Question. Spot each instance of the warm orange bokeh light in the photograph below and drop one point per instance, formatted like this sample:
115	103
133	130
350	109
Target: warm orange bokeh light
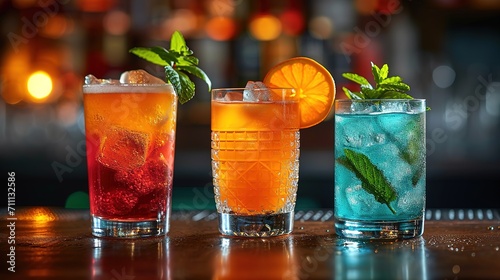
39	85
221	28
182	20
37	214
265	27
58	26
366	7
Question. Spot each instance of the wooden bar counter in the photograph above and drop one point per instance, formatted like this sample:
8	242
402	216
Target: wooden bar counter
52	243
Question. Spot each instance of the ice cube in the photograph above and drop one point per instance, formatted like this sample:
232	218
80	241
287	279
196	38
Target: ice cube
358	133
411	201
358	199
233	96
396	106
124	149
139	77
256	91
92	80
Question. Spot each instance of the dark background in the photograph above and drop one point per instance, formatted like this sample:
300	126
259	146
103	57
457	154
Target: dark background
447	50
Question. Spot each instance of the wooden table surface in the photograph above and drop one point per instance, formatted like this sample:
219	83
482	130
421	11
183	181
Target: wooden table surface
57	244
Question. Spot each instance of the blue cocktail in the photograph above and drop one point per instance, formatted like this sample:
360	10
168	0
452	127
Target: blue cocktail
379	168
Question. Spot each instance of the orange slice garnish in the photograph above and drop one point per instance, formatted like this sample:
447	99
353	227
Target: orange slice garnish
313	83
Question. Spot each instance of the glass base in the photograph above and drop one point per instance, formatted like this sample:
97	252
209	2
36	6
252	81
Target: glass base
256	225
128	229
382	230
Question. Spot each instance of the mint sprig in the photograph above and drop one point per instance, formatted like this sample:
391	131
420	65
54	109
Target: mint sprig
372	179
385	87
178	62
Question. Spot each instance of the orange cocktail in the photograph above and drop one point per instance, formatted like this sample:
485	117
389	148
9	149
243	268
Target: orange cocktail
255	160
130	133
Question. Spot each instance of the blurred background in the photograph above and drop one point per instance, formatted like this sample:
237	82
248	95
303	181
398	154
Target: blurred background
447	50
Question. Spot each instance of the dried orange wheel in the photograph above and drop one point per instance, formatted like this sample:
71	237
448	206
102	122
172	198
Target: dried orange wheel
312	81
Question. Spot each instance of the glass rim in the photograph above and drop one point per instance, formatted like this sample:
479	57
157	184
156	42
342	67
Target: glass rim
242	89
127	88
127	85
346	100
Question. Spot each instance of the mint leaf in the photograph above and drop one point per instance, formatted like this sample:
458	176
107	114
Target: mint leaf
397	86
178	61
379	74
196	71
173	78
353	95
393	79
165	55
370	93
372	179
385	87
357	79
384	71
149	55
178	44
376	73
187	91
394	95
187	61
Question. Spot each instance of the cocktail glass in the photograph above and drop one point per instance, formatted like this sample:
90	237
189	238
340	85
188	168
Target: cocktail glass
255	160
130	134
379	168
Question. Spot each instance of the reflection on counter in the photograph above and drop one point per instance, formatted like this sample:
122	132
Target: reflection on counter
110	262
372	260
268	258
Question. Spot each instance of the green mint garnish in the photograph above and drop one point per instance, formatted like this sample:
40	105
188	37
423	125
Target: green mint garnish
178	62
372	179
385	87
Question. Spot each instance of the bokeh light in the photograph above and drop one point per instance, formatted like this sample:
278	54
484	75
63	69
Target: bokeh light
39	85
57	26
23	4
221	7
443	76
265	27
221	28
366	7
116	22
95	5
321	27
388	6
292	21
77	199
182	20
